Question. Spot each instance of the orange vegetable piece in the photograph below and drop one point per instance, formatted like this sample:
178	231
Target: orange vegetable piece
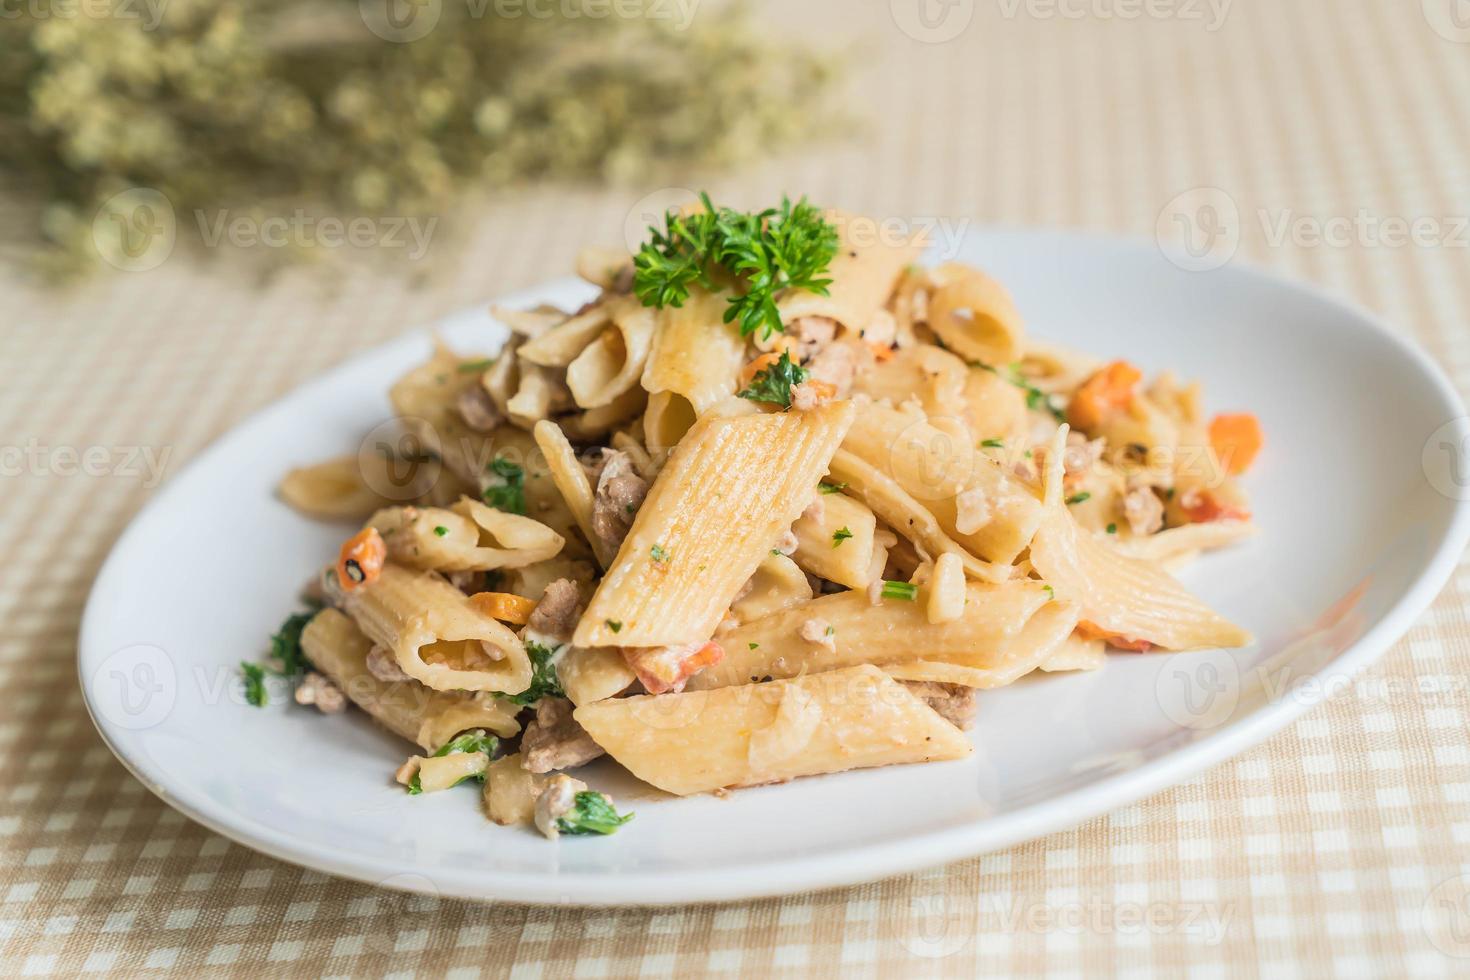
663	669
883	352
361	559
1202	507
748	373
1236	439
504	606
1105	392
1092	631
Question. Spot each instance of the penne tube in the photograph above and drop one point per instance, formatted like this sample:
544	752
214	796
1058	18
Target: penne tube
714	513
592	673
696	355
341	489
669	417
408	709
567	474
784	645
778	583
436	635
701	741
1002	663
896	508
990	513
466	537
1076	652
869	261
610	366
834	540
560	345
974	316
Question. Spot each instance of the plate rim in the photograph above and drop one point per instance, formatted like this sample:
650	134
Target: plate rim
872	862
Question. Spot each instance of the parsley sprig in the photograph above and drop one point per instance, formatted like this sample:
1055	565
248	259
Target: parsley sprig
773	384
762	252
592	814
544	681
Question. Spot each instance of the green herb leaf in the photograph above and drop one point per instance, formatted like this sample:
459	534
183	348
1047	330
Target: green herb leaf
825	487
764	253
1112	529
254	684
1050	592
993	444
508	493
773	384
440	530
906	591
755	646
659	554
1078	498
475	367
593	813
544	681
616	625
840	535
286	644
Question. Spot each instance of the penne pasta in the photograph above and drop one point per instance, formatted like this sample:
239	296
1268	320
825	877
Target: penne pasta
835	540
466	537
778	583
701	741
337	648
436	635
894	630
712	516
695	354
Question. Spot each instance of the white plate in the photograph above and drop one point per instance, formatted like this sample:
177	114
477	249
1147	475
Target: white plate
1357	495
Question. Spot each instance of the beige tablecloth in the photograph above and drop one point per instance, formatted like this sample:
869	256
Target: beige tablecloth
1315	853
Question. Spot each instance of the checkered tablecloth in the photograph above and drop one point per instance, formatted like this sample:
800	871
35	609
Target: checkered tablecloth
1338	846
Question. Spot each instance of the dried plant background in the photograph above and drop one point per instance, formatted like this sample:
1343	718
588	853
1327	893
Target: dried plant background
269	106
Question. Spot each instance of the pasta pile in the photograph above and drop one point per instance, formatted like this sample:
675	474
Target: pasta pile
724	554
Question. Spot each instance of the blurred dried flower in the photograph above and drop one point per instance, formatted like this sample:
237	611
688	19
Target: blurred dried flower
263	105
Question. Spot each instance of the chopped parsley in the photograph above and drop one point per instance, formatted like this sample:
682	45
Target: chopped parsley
1036	399
286	657
906	591
616	625
768	251
469	367
773	384
440	530
544	682
840	535
825	487
1078	498
755	646
286	644
254	684
509	494
993	444
659	553
592	814
1050	592
474	740
1112	529
830	631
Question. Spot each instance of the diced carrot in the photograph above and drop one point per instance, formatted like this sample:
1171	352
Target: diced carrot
883	352
1102	394
1202	507
1092	631
361	559
748	373
504	606
1236	439
664	669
